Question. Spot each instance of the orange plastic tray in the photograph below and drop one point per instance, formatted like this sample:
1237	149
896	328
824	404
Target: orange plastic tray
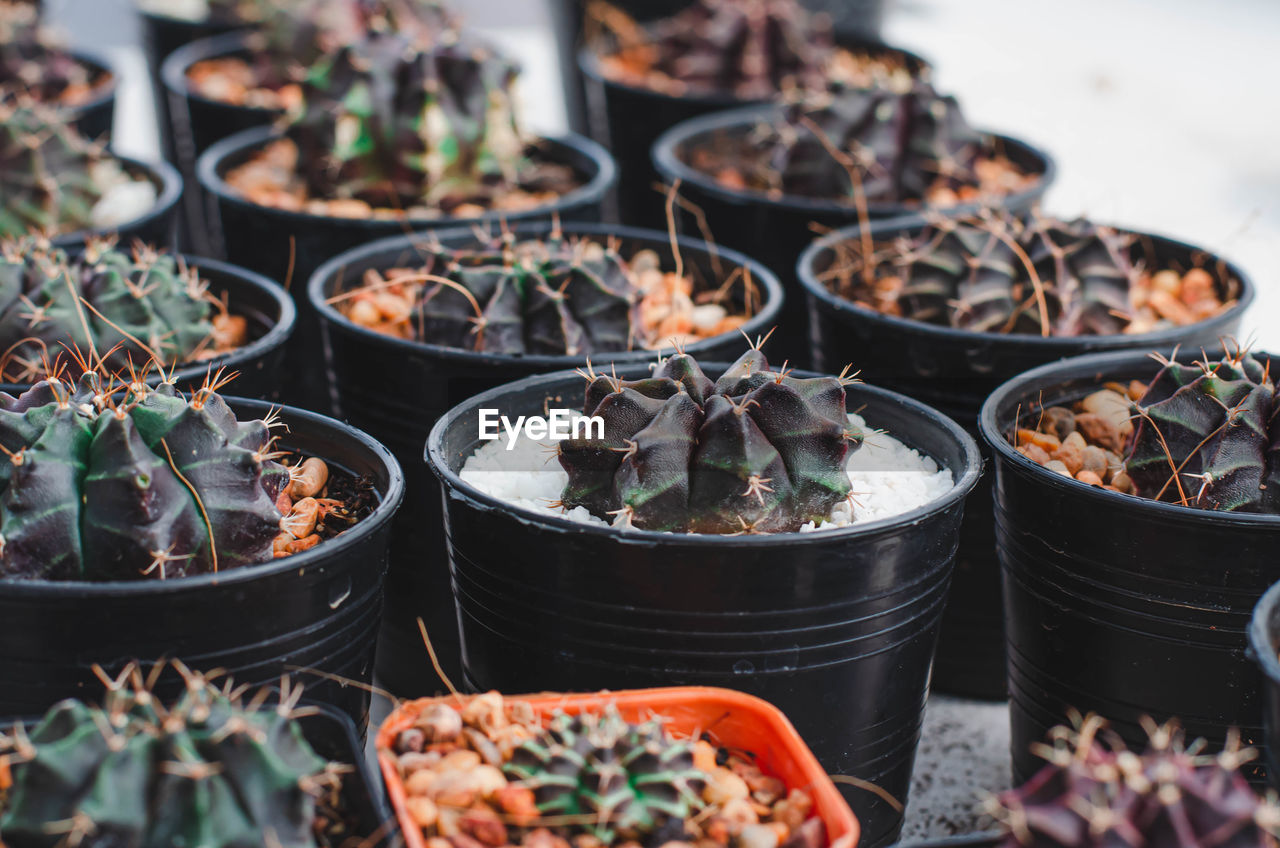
731	719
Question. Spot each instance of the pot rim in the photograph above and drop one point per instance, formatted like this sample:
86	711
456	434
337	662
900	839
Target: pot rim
588	59
157	172
1051	375
1261	645
209	166
319	285
350	539
671	167
277	334
879	229
963	479
173	70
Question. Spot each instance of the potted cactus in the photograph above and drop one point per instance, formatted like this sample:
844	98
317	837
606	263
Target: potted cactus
747	531
128	309
648	766
456	313
643	79
767	176
211	763
949	309
139	521
55	181
396	130
33	63
1148	565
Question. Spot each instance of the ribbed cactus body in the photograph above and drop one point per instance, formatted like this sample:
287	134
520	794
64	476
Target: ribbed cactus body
621	780
46	172
757	451
132	483
123	308
205	771
1209	434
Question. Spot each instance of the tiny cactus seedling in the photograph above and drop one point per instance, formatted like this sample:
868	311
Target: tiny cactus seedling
1208	435
123	482
1096	793
50	177
124	309
756	451
209	770
613	779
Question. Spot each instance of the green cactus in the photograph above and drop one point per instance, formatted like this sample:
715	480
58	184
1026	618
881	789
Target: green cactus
622	780
1208	435
123	309
756	451
207	770
130	482
50	177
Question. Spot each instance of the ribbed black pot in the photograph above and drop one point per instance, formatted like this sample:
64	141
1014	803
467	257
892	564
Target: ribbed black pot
271	316
159	226
161	35
955	371
290	246
836	628
1117	604
1264	645
197	122
397	389
629	119
777	230
315	610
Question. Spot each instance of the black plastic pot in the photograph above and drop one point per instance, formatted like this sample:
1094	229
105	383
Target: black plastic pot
1264	643
290	246
629	119
93	117
197	121
161	35
777	231
835	628
315	610
271	316
397	389
955	371
1117	604
159	226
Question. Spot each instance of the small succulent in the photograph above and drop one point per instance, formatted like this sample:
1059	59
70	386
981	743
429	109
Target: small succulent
51	178
113	307
619	780
129	482
208	769
1097	793
756	451
1208	435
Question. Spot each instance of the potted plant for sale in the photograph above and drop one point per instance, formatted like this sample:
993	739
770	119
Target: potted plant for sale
649	766
644	78
139	522
34	64
747	531
442	317
209	766
1128	583
770	176
948	309
397	131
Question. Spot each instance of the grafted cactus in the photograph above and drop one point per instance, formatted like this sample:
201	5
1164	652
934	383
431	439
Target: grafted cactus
123	308
756	451
129	482
50	177
206	770
1208	435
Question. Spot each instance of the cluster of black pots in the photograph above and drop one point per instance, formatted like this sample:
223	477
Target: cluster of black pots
955	371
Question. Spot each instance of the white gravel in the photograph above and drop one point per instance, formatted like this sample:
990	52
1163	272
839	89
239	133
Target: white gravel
888	479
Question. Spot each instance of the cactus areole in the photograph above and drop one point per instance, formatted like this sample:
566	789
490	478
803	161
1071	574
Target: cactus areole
757	451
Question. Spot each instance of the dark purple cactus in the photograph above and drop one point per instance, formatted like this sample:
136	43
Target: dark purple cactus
1096	794
1208	435
756	451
